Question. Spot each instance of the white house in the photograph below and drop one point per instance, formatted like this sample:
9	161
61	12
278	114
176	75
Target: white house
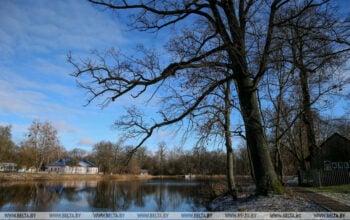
8	167
67	166
143	172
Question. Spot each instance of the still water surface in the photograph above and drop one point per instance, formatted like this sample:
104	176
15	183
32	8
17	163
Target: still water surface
147	195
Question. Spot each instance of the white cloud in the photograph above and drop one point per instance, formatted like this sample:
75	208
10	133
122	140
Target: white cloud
19	101
160	134
42	27
30	98
20	128
64	127
86	142
35	37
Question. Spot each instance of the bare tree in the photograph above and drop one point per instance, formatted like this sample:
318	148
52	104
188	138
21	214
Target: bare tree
77	155
242	161
276	115
42	136
7	147
318	44
213	119
104	157
234	36
162	148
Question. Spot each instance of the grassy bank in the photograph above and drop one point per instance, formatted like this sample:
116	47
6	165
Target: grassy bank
332	189
339	193
17	177
12	177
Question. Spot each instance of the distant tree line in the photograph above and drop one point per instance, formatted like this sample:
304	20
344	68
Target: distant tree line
113	158
42	146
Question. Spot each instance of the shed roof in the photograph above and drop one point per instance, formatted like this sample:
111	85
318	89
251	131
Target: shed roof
61	162
86	163
68	162
333	136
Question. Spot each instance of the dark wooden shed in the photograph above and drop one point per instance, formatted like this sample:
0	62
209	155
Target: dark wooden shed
334	153
333	164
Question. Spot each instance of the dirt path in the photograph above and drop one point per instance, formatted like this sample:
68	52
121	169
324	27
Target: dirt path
324	201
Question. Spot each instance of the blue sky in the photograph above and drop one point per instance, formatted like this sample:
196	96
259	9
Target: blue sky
35	38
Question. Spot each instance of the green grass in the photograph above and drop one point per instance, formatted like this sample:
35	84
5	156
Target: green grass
332	189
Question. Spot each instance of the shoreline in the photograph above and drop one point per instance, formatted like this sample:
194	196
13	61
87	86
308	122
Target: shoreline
44	176
18	177
274	203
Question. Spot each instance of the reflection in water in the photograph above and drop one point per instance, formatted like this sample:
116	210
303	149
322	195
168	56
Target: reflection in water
151	195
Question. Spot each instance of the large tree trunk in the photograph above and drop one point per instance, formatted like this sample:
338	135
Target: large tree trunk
230	171
278	162
278	156
230	163
307	118
265	175
251	167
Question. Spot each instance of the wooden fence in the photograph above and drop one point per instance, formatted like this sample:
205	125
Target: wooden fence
324	178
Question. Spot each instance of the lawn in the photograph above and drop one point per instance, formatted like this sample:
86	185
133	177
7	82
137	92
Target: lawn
340	193
332	189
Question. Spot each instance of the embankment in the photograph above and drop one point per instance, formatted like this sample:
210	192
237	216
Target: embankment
20	177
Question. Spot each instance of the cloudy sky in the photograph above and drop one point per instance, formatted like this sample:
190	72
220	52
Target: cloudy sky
35	38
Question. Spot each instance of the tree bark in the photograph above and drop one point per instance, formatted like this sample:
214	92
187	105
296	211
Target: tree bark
307	118
230	163
278	157
265	175
278	162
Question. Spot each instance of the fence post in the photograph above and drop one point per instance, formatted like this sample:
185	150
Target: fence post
319	178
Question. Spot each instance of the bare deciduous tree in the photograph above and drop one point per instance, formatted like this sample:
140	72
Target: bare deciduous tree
312	48
234	36
42	136
7	147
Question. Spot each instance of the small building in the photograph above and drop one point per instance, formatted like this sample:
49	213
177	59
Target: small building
22	170
65	165
8	167
334	154
143	172
32	169
88	167
189	176
332	163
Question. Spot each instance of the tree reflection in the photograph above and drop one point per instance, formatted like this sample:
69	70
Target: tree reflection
43	199
17	194
23	197
175	196
153	195
110	196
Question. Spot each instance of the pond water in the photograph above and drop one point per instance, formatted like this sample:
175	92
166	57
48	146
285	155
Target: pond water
148	195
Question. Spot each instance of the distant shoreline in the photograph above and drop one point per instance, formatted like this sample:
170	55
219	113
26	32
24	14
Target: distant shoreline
6	177
44	176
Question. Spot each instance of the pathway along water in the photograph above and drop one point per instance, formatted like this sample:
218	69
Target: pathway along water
328	203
